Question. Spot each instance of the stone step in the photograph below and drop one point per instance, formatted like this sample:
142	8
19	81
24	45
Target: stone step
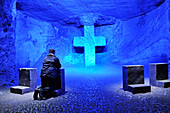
20	89
139	88
164	83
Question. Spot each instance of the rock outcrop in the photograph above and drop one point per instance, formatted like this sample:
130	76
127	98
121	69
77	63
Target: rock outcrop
8	70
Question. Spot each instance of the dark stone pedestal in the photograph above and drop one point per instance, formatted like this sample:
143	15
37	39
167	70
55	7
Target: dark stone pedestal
158	74
133	79
60	87
27	81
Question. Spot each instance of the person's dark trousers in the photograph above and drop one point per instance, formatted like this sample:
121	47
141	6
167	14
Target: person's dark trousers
48	82
48	85
40	90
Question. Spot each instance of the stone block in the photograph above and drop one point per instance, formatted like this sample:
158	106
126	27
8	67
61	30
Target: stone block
158	74
60	87
133	79
163	83
27	81
132	74
20	89
139	88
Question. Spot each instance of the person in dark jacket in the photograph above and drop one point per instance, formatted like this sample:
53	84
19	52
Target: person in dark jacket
49	72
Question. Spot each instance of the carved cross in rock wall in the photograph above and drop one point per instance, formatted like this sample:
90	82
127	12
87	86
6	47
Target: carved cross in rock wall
89	42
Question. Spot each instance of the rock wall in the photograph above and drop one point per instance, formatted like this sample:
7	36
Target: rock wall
169	12
49	10
146	38
8	70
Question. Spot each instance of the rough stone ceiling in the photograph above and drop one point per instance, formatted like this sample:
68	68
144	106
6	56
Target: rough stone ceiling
57	10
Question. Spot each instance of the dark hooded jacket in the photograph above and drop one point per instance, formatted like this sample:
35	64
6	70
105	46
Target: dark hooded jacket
50	65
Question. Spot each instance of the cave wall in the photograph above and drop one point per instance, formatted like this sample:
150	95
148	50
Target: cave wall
146	38
168	3
8	70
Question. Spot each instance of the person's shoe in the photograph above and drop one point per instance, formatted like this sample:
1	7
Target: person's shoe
35	96
41	96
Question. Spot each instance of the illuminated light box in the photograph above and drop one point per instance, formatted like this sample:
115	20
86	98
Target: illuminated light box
133	79
88	44
27	81
158	74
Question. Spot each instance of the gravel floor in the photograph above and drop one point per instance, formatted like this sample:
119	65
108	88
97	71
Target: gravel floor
90	91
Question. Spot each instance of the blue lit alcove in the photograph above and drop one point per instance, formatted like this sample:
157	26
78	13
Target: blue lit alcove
136	33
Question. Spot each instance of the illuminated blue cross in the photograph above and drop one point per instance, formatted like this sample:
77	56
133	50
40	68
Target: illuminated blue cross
89	41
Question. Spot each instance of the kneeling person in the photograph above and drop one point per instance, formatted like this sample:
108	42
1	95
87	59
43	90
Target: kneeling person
50	68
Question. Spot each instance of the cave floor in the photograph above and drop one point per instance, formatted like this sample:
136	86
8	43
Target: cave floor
96	89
